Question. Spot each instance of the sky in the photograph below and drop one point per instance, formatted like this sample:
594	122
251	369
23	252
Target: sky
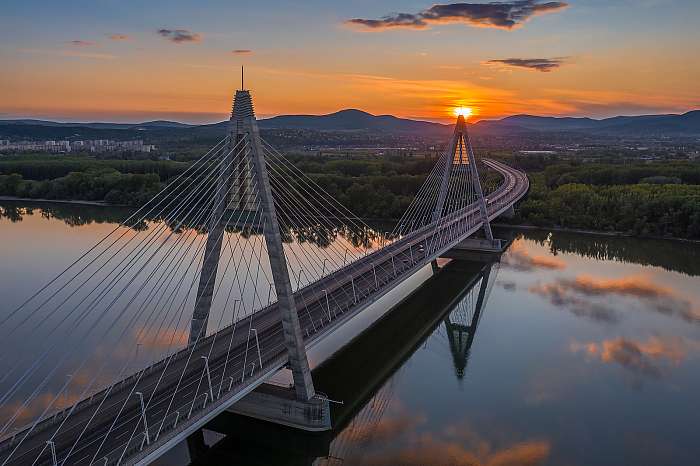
128	60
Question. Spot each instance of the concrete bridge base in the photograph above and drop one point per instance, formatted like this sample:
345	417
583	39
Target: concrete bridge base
509	213
478	249
280	405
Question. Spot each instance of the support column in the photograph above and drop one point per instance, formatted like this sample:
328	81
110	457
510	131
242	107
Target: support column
212	250
459	138
477	186
445	182
293	339
460	335
480	300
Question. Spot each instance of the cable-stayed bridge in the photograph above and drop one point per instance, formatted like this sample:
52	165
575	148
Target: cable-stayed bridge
163	325
364	378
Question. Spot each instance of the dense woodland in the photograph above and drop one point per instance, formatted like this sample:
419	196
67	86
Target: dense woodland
639	198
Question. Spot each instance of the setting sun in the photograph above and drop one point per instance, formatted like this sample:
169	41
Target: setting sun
463	111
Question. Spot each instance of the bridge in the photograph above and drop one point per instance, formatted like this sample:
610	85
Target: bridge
363	378
297	264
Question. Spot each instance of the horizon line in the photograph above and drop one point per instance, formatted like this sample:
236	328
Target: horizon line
473	120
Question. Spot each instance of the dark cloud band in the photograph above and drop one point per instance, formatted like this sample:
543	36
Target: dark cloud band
81	43
179	36
544	65
504	15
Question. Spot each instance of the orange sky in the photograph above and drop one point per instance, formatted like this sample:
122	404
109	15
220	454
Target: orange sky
607	60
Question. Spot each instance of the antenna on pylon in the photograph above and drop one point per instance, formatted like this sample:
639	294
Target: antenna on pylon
242	86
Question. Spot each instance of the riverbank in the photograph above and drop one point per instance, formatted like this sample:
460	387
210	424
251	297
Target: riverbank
385	221
608	234
60	201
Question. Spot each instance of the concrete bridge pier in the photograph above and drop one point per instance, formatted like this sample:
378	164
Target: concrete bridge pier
509	212
280	405
478	249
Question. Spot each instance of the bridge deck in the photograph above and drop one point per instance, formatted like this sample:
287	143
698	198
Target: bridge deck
107	427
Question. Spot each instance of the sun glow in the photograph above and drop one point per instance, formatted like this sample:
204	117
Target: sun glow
463	111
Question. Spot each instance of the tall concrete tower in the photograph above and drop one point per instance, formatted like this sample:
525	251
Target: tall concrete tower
461	154
250	185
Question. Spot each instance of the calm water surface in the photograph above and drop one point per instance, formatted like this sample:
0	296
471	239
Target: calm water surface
574	350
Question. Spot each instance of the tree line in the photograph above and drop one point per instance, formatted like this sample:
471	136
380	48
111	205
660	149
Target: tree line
641	199
650	199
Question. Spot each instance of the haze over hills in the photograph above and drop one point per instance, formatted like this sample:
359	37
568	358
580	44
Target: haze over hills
687	124
99	125
351	120
671	124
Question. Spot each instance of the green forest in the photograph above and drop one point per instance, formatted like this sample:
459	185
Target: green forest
639	198
643	199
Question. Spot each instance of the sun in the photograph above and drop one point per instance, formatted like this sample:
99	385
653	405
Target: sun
463	111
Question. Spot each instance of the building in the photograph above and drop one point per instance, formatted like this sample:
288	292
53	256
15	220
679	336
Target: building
95	145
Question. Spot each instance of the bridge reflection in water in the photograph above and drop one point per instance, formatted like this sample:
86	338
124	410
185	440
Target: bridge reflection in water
447	306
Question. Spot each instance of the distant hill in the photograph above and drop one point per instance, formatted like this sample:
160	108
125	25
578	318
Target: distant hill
97	125
344	120
687	124
352	120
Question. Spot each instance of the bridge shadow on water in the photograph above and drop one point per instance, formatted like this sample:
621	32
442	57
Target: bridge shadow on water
361	376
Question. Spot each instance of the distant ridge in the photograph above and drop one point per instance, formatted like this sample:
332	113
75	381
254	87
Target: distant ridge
670	124
687	124
99	125
352	120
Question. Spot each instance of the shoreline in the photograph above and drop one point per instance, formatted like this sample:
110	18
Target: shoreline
60	201
607	234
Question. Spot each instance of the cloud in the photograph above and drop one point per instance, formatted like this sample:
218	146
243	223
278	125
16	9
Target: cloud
180	36
36	407
519	258
650	358
385	429
118	37
508	285
636	286
429	449
399	436
561	297
572	294
501	15
242	52
543	65
165	338
81	43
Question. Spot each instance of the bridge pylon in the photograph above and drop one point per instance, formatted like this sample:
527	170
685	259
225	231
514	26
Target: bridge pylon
461	155
460	334
242	188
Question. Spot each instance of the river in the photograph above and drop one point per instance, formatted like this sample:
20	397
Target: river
572	350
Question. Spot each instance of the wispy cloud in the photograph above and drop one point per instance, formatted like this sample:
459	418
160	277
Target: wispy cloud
519	258
180	36
242	52
81	43
561	297
118	37
501	15
649	358
544	65
575	295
